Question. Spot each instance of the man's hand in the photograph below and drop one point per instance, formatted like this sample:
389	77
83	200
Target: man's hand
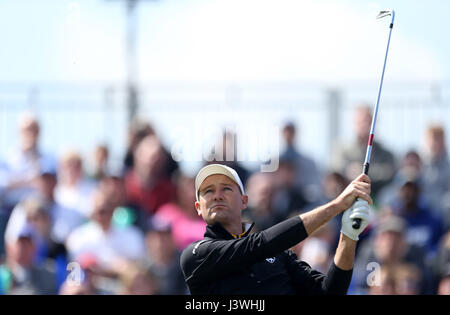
359	210
359	188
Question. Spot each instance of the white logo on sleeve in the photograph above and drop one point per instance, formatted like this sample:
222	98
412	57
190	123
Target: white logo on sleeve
270	260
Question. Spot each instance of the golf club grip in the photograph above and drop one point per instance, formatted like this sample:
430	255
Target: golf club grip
357	222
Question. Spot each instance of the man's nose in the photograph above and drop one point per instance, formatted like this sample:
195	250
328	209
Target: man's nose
218	195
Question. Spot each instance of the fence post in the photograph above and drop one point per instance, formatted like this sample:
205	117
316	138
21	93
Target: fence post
333	108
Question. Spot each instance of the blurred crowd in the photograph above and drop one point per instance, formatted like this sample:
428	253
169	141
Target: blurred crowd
79	225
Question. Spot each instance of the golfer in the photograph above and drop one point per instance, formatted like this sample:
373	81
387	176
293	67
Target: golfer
231	260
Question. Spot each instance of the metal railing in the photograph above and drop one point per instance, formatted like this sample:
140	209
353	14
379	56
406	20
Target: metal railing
83	115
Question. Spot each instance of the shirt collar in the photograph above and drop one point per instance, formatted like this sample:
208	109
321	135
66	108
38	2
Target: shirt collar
217	231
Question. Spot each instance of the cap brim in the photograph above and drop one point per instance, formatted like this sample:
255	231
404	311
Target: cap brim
216	169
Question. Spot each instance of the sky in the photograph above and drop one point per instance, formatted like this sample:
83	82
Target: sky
320	40
323	42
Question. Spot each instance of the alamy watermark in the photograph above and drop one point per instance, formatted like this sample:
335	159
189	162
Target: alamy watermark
373	279
76	275
202	143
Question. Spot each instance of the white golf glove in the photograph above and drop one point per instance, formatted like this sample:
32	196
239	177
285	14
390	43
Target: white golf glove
359	210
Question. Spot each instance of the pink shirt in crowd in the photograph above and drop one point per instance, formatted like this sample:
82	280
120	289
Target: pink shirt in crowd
185	229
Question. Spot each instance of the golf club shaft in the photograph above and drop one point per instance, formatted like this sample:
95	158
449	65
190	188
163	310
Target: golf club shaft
357	222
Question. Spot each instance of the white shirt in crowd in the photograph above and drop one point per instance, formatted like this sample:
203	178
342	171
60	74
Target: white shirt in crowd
106	247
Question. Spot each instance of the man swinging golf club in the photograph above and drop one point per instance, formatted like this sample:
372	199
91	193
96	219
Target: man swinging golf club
230	260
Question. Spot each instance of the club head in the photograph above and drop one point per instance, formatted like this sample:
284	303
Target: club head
384	13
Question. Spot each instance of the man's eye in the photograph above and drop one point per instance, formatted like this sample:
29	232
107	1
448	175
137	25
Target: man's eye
208	191
228	188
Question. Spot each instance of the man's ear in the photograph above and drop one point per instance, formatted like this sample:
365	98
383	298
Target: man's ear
197	207
244	199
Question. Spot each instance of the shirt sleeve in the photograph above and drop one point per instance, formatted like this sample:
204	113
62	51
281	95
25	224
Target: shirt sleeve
308	281
211	259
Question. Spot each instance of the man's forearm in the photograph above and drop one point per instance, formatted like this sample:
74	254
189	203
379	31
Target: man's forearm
345	253
359	188
314	219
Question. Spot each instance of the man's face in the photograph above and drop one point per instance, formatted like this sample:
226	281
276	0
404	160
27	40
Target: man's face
436	143
220	201
29	134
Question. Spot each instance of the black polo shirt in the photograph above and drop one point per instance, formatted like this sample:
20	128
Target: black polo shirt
257	264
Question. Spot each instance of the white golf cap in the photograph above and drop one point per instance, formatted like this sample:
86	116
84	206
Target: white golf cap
219	169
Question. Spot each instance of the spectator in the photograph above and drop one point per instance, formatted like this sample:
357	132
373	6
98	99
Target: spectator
110	246
441	263
287	198
84	288
436	169
349	158
444	284
62	219
38	216
227	154
260	210
411	169
163	257
21	275
84	279
333	185
307	177
187	226
148	186
387	283
24	163
74	190
424	228
139	281
400	279
125	213
317	249
389	247
138	130
99	167
409	279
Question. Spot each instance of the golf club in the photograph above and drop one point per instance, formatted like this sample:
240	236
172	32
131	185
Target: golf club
357	222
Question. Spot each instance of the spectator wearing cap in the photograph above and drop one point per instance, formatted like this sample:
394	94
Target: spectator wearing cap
21	275
163	257
63	220
23	163
390	247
